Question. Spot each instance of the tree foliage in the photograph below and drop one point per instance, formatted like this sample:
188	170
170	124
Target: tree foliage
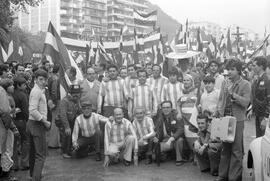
10	7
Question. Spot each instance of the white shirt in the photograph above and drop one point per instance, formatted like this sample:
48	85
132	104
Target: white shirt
91	84
209	101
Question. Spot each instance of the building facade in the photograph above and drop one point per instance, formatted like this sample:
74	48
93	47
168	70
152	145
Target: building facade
120	13
81	17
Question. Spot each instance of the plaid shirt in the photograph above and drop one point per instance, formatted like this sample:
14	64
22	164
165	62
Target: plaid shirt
88	126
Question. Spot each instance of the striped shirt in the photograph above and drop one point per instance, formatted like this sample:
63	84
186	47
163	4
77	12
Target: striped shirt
87	126
143	96
129	85
157	86
172	92
117	132
144	128
113	93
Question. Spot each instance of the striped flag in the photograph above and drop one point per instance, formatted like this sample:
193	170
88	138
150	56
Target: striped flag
7	54
57	51
257	52
148	19
121	40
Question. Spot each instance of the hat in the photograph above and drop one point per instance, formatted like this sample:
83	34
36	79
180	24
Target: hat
74	89
86	104
181	52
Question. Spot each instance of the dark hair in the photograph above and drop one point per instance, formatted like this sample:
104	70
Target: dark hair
199	64
170	102
209	78
261	61
41	72
149	63
140	71
132	65
19	64
56	68
103	65
28	63
73	71
18	81
3	68
112	66
5	83
174	71
234	63
46	61
213	62
123	67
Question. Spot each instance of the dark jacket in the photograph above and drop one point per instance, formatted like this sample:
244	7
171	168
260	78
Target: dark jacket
261	96
69	110
54	89
172	125
21	101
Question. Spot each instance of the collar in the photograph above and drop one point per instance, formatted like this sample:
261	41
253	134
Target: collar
43	90
122	122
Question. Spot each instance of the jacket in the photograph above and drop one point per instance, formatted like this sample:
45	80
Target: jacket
90	94
172	125
242	92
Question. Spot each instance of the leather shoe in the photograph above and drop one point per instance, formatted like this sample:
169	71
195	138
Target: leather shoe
220	179
98	157
126	163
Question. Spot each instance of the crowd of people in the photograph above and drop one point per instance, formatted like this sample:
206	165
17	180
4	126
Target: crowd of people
131	114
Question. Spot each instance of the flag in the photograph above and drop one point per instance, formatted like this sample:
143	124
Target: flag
20	51
265	45
143	19
229	43
7	54
180	36
93	32
212	45
57	51
199	40
135	48
121	39
260	48
104	58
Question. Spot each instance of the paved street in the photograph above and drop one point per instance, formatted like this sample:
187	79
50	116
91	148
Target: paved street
58	169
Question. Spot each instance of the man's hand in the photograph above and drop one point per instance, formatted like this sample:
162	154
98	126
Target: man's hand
169	142
46	123
51	104
99	111
106	161
111	119
264	123
141	142
155	140
68	131
249	115
197	146
200	151
75	146
179	116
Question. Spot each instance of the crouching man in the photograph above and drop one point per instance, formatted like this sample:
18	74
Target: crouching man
170	132
86	131
144	128
207	151
120	139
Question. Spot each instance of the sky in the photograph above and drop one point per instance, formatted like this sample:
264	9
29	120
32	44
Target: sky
251	14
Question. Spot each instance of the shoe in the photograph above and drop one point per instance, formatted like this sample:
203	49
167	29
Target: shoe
98	157
220	179
65	155
206	170
179	163
126	163
148	160
215	174
25	168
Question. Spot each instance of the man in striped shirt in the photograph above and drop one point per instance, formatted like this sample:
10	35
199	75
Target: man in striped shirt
142	96
144	128
157	82
131	81
111	93
88	125
119	137
173	90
